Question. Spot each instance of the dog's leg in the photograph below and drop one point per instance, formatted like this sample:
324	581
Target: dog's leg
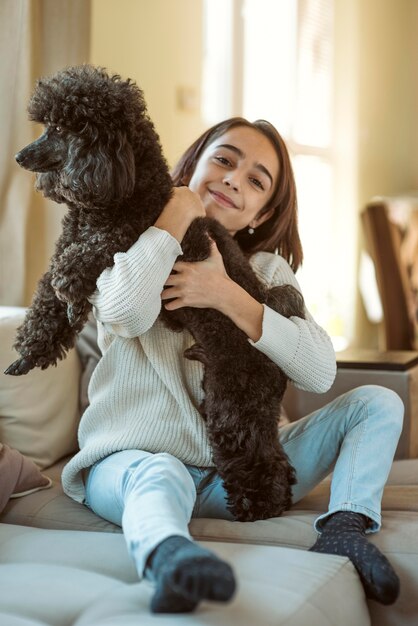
73	280
46	334
243	390
242	408
258	484
75	270
286	300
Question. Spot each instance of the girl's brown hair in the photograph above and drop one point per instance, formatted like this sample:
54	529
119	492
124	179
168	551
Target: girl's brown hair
280	232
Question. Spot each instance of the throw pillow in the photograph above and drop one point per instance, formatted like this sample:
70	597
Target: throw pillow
19	475
39	412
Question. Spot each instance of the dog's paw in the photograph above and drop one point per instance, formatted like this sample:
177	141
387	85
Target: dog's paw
76	314
20	367
67	289
264	502
248	511
243	510
197	353
286	300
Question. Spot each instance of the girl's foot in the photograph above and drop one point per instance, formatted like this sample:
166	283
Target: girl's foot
344	534
186	574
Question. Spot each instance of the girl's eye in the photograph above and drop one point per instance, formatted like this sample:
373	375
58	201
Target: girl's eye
257	183
222	160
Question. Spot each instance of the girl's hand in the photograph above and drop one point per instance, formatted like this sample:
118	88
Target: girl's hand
197	284
180	211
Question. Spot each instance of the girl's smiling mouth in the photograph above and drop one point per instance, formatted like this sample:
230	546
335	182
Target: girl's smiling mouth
221	199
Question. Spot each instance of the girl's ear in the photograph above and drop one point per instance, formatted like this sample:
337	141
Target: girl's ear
186	180
257	221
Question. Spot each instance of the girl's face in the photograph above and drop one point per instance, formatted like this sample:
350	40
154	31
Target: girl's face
235	178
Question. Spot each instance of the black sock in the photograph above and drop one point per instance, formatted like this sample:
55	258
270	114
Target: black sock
185	574
344	534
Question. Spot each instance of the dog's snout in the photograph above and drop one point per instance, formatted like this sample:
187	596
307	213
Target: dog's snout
41	155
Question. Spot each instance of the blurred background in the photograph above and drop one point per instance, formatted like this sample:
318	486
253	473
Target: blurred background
338	78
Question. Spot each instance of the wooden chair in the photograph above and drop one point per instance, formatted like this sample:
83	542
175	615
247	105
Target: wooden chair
399	300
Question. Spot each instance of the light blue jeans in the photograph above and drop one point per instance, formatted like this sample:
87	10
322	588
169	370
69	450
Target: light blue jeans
154	496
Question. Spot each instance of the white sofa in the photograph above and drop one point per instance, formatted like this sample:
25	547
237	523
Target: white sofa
62	565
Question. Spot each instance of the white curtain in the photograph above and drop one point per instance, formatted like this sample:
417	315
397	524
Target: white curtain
37	38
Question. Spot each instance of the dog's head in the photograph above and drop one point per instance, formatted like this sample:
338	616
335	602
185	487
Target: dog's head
92	132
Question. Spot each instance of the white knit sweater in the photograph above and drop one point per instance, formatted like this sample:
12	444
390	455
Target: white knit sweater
143	393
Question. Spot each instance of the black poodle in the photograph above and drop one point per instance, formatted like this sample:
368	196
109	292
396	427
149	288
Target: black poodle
100	154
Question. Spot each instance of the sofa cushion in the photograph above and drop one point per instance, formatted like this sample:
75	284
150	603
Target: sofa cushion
88	579
53	509
397	539
400	493
19	475
39	412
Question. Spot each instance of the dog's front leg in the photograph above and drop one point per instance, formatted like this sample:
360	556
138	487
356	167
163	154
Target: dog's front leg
286	300
74	273
45	335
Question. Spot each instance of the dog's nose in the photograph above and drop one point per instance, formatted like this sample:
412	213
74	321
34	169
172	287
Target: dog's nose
18	157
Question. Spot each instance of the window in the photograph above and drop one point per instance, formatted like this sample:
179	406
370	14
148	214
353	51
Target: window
274	59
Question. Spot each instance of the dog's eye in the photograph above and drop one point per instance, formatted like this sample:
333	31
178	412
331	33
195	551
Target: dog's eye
58	129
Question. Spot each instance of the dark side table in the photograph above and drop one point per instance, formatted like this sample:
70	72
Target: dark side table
395	370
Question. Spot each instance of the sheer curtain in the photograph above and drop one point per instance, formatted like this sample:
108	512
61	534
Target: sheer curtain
37	37
283	53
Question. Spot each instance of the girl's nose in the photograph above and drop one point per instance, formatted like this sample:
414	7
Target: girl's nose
231	181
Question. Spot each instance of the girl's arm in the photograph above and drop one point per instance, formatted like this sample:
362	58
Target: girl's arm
207	285
127	300
301	348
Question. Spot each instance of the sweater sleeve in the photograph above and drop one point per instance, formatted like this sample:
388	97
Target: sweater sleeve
127	300
300	347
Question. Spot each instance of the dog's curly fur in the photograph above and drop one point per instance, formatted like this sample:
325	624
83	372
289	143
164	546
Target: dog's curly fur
101	156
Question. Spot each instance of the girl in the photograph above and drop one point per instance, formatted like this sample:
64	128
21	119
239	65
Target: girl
144	453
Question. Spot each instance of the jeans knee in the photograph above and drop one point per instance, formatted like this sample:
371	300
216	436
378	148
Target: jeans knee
385	403
163	468
394	407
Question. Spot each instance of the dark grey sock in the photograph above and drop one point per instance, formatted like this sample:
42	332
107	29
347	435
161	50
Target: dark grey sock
344	534
185	574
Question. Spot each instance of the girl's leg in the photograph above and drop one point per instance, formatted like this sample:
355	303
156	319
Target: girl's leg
152	496
149	495
355	435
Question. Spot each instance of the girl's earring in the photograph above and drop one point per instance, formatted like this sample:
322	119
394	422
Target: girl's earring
251	231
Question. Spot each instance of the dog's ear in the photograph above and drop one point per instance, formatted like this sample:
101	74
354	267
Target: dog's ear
122	171
103	173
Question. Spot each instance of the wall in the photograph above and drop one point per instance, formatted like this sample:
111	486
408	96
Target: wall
386	112
388	120
37	38
413	87
158	43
